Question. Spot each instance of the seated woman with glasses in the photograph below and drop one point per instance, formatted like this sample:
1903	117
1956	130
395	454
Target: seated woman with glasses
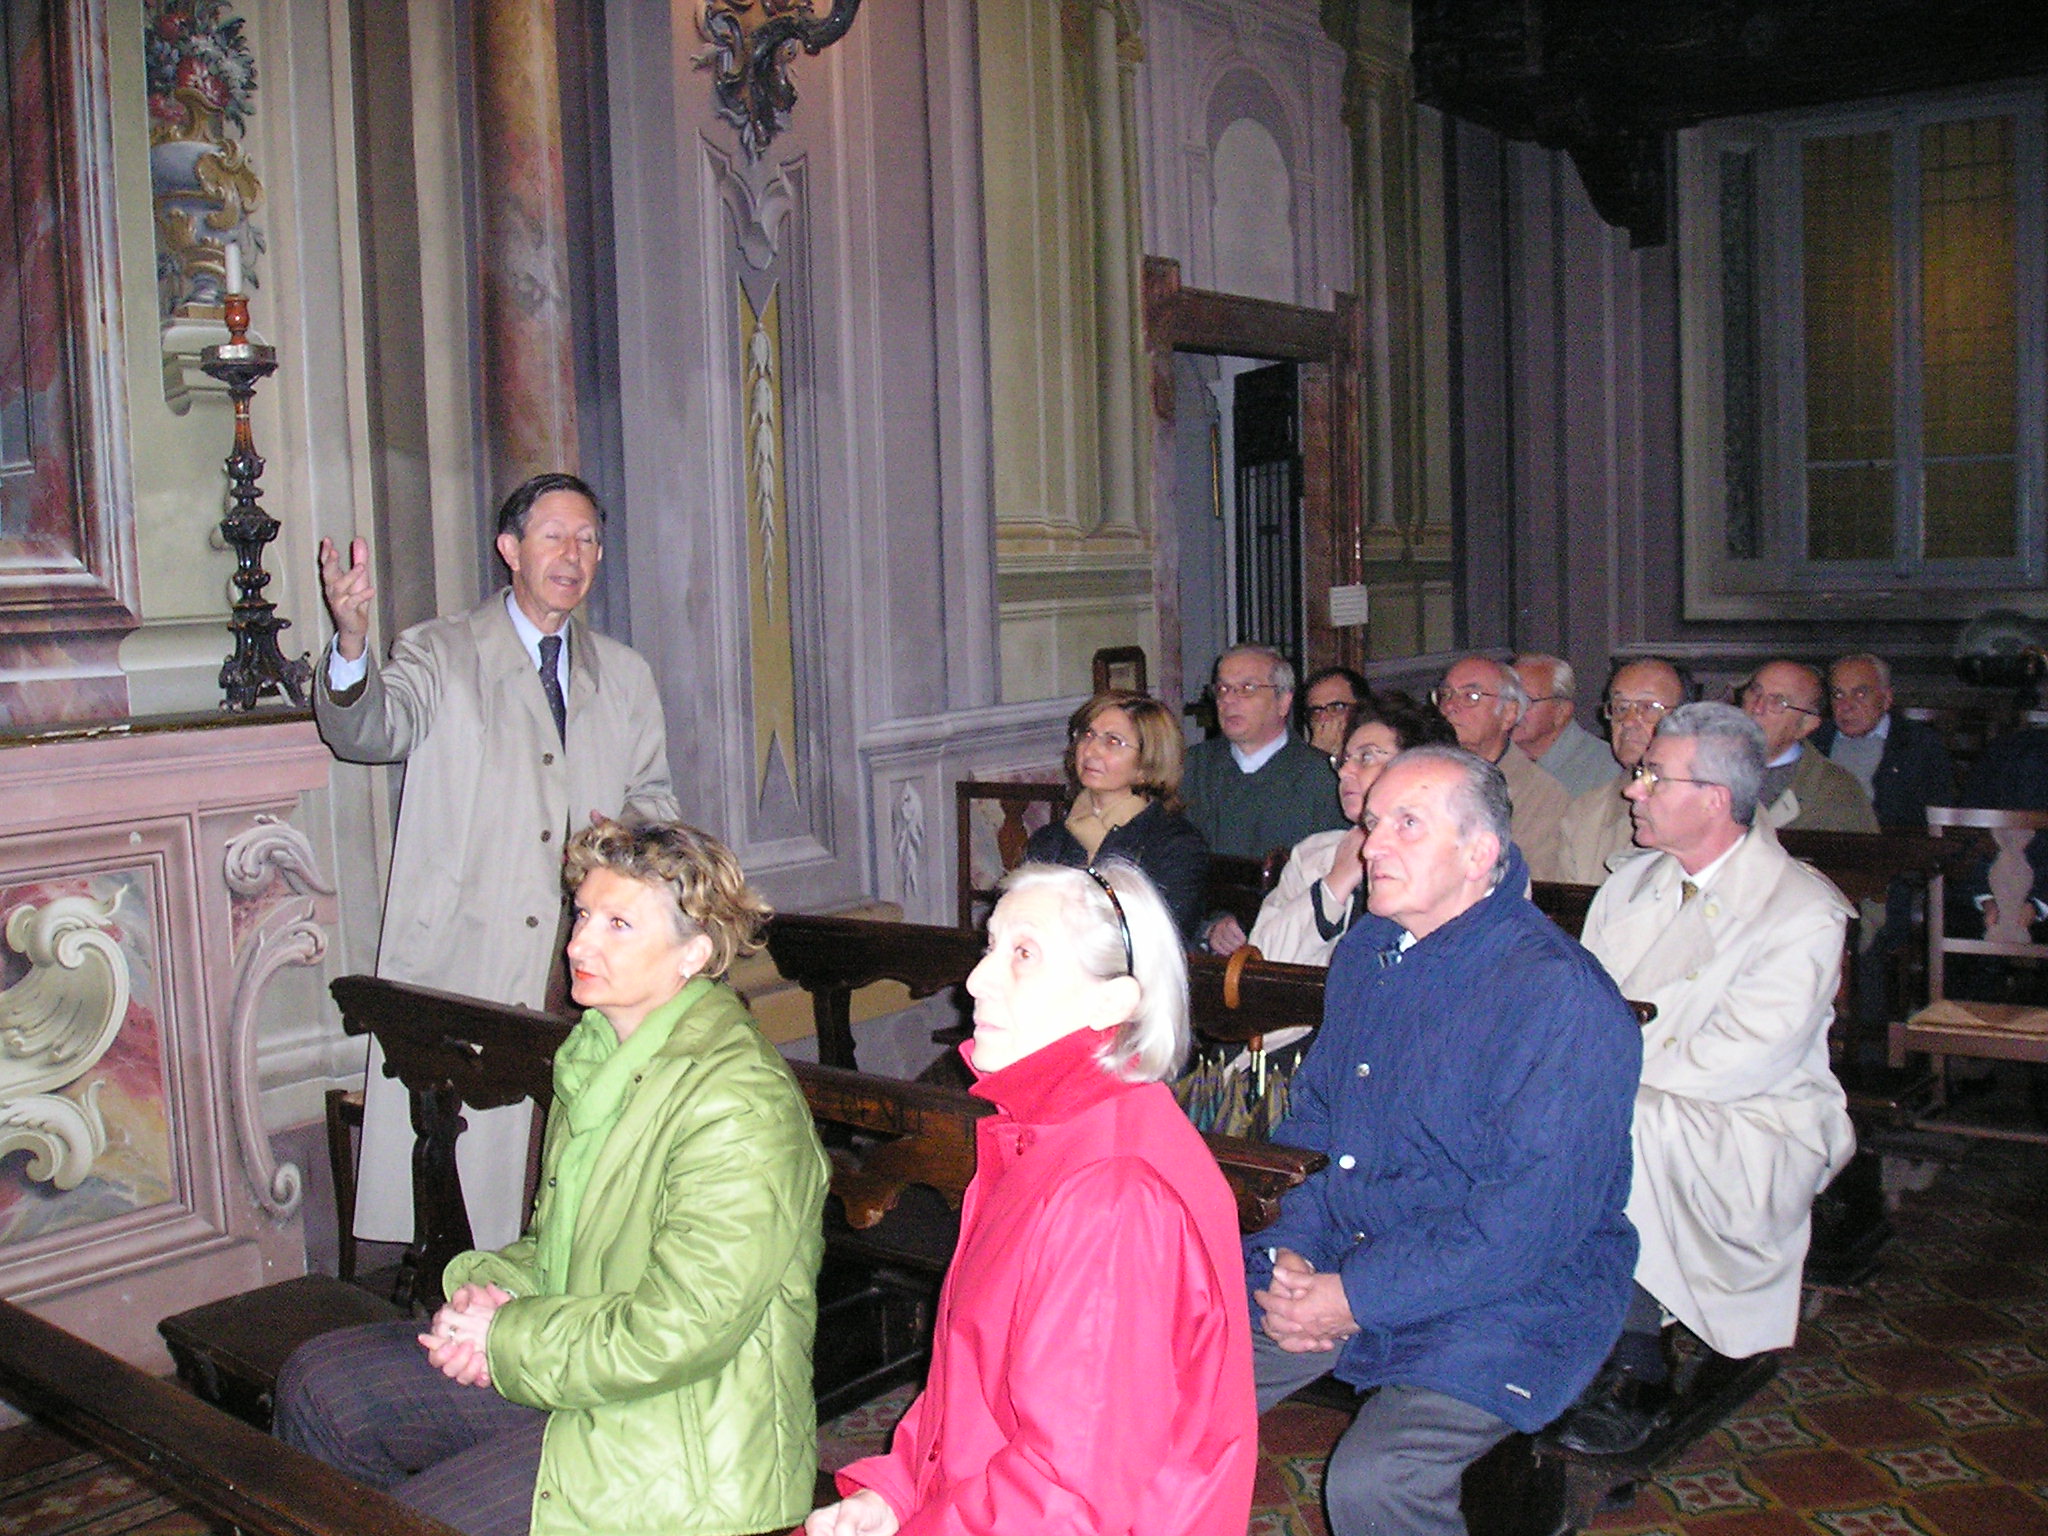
1123	766
1323	886
1092	1361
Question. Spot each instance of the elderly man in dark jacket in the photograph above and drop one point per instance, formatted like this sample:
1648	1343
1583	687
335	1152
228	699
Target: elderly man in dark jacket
1465	1250
1901	763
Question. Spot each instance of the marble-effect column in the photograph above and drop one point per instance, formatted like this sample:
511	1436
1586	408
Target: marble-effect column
1115	268
529	374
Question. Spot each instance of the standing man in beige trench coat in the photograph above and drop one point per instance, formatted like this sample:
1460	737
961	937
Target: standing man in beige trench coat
492	785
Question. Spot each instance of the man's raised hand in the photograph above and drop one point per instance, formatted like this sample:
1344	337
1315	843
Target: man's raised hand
349	593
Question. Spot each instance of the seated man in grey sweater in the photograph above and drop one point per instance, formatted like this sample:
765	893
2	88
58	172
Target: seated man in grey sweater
1256	787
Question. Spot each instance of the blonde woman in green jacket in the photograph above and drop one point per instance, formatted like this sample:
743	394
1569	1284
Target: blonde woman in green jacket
640	1361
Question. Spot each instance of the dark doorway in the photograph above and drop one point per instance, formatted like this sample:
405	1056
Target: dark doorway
1293	472
1266	428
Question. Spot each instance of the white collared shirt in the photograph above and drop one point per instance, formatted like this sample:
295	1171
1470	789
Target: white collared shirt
1252	762
1706	875
530	636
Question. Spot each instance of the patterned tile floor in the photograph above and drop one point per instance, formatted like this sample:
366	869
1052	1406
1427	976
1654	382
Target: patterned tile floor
51	1487
1916	1408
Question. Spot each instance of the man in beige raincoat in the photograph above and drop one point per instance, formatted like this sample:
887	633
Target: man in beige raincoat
1739	1122
494	780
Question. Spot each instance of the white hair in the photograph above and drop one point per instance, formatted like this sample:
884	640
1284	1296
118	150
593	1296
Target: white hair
1279	671
1564	683
1510	688
1882	667
1150	1045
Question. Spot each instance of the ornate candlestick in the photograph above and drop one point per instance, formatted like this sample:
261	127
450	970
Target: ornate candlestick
257	666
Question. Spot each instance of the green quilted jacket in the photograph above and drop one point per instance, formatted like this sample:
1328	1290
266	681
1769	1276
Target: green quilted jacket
677	1368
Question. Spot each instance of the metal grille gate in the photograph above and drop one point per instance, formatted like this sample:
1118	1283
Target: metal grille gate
1266	430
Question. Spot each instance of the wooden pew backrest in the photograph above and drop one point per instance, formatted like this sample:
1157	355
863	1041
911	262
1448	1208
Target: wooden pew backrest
452	1051
830	957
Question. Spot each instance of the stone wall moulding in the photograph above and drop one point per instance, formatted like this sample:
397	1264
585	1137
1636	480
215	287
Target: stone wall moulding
912	766
150	889
759	196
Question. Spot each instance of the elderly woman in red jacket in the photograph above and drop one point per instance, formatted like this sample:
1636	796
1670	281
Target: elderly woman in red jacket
1091	1370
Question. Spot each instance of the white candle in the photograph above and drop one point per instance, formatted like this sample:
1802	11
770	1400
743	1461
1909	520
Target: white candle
234	249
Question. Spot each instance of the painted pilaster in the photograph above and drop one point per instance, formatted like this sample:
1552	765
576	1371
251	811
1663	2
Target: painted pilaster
1112	38
529	342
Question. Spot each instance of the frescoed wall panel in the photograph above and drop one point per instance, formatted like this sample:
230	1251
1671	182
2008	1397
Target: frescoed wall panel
86	1105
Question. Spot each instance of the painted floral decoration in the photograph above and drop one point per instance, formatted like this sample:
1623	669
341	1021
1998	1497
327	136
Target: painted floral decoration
197	46
202	95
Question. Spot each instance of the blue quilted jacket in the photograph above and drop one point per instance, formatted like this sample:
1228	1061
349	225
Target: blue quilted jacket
1474	1099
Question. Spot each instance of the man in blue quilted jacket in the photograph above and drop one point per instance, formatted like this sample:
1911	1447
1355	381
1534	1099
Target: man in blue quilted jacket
1465	1249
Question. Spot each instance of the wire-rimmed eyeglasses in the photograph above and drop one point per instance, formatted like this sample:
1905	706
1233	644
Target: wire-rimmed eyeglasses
1652	710
1773	703
1468	696
1109	739
1650	778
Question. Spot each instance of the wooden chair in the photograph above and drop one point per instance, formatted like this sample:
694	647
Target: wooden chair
1015	820
1120	668
1239	885
1563	903
1868	867
1986	1030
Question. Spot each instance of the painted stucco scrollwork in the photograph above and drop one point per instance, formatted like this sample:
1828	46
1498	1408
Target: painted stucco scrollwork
273	931
55	1025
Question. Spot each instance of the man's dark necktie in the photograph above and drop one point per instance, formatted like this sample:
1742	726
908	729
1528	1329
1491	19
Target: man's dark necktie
551	683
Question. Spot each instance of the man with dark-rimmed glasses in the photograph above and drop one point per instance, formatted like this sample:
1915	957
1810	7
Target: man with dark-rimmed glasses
1596	826
1256	787
1802	788
1739	1121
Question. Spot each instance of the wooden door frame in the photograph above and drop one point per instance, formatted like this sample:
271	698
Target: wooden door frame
1328	344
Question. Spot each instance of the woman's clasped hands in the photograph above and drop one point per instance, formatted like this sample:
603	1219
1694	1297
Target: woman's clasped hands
455	1342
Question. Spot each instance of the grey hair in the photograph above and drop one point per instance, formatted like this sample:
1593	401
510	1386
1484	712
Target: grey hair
1728	749
1150	1045
1564	682
1510	687
1884	668
1279	670
1478	802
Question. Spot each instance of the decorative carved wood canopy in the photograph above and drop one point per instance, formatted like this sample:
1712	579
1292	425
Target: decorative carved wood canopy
1608	80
